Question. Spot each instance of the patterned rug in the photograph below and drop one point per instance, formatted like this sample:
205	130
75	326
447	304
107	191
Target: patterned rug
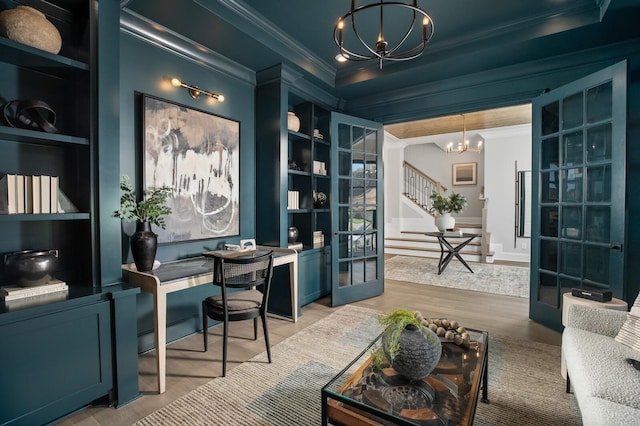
486	277
287	392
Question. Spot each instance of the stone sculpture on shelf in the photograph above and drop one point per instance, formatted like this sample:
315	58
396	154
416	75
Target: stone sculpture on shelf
29	26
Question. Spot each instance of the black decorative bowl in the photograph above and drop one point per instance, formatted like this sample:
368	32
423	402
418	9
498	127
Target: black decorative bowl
31	267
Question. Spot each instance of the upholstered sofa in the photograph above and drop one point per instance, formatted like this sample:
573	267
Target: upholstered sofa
606	386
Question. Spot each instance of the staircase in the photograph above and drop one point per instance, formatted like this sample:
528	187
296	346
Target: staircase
416	243
418	188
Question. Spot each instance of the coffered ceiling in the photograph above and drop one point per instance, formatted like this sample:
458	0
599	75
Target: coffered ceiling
470	35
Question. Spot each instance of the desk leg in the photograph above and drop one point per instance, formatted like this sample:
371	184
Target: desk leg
293	282
160	302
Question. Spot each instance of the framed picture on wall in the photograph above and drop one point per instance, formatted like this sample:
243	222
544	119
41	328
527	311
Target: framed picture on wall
465	173
197	154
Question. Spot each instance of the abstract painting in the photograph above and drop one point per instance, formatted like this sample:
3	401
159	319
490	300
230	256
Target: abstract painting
198	155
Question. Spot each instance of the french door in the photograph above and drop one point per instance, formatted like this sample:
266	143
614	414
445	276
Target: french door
357	254
578	186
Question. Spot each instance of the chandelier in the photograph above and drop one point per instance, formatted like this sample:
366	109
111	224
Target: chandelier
381	50
463	146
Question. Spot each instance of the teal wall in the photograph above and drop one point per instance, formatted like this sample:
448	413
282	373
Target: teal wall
142	67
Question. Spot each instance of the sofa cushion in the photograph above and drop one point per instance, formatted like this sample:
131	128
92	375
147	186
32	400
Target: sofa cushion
629	334
600	412
597	367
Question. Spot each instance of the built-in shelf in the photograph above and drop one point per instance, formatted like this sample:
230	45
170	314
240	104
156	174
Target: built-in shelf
299	172
38	137
29	57
43	217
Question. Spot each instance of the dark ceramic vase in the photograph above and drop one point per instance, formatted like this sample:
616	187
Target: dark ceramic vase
418	355
144	244
292	234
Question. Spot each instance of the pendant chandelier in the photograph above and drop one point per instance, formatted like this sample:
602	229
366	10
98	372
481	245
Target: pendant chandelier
463	146
383	49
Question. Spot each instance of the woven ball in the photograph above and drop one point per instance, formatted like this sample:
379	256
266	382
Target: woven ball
29	26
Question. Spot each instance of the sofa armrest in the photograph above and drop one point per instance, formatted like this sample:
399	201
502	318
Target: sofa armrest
596	320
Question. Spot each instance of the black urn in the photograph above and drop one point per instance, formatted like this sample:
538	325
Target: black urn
144	244
292	234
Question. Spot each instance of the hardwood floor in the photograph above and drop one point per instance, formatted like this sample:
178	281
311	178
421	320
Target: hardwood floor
188	367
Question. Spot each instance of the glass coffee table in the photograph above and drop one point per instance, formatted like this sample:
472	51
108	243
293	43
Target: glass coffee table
363	394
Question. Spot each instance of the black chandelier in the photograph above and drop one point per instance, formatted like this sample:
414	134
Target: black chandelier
380	50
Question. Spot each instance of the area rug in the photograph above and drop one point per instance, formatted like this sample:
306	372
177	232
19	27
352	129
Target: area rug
525	386
486	277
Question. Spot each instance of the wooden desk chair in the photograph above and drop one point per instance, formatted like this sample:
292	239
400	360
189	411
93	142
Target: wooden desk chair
251	275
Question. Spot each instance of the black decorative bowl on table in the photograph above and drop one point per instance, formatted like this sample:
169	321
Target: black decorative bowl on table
31	267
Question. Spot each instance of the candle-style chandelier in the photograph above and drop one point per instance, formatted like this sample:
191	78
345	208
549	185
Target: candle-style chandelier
463	146
383	49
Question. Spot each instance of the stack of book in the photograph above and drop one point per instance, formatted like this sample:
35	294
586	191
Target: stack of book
319	168
454	232
318	239
293	202
15	293
21	194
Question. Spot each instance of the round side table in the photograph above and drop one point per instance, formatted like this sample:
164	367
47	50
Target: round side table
568	299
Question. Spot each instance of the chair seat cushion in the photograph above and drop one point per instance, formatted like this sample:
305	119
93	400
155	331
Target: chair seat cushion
237	301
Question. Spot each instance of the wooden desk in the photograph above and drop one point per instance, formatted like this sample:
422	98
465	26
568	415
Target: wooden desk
185	273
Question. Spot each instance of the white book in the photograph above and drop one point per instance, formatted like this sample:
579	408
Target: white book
54	194
13	293
28	194
45	194
40	299
8	198
20	194
35	193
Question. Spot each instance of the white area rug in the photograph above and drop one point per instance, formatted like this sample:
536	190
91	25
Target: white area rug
287	391
486	277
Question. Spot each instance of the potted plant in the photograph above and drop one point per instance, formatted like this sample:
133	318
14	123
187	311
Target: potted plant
410	347
144	242
444	206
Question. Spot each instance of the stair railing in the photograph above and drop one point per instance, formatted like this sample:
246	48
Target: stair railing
418	187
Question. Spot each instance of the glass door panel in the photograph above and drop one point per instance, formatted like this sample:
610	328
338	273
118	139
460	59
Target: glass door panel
599	143
600	102
577	234
572	111
572	149
598	180
549	154
357	224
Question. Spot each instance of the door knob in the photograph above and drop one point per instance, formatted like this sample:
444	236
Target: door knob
615	246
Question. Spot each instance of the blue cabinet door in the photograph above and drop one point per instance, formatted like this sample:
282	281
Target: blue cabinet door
578	187
54	364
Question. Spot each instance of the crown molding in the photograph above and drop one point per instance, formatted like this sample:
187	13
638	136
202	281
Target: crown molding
295	83
249	21
487	88
151	32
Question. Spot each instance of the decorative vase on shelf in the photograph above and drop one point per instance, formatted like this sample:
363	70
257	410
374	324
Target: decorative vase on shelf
293	122
292	234
445	221
144	244
419	353
29	26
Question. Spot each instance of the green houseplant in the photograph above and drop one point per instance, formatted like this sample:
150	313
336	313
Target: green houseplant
410	347
152	209
444	206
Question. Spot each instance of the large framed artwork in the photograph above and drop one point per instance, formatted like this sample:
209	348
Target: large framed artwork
198	155
464	173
